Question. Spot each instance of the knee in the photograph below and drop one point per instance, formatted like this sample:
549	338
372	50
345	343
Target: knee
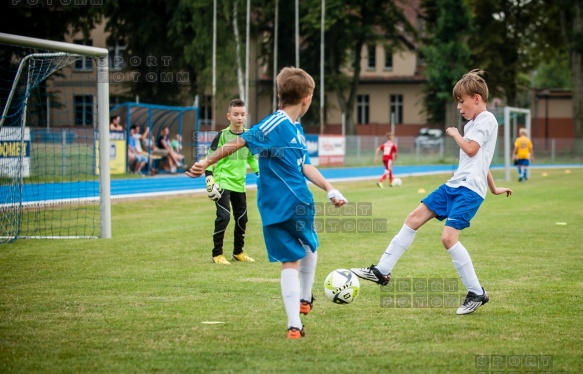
223	216
243	218
447	240
413	220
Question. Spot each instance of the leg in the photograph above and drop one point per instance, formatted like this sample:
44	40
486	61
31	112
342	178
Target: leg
290	291
381	273
221	222
390	171
307	273
404	238
385	174
239	204
461	259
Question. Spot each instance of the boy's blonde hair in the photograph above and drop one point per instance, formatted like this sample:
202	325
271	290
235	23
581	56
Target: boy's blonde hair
523	132
471	83
293	85
389	135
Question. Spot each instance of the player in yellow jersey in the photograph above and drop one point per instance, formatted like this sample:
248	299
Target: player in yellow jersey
523	154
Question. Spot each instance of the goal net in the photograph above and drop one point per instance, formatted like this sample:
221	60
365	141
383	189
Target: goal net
51	124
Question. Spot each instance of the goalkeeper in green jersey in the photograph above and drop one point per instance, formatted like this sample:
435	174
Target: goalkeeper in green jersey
225	182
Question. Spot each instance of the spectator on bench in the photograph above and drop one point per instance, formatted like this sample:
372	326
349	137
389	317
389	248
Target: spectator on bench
134	156
139	138
173	159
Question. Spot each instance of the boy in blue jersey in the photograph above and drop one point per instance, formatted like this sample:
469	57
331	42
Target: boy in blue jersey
459	198
285	202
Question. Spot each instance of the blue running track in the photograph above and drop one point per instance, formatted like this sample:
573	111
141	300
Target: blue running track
181	184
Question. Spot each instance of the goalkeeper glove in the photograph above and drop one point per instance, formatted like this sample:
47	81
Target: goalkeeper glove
213	191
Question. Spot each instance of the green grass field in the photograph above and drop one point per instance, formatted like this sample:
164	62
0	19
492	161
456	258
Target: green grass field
138	302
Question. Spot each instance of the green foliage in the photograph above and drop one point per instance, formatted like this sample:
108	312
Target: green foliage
137	302
510	38
554	73
446	53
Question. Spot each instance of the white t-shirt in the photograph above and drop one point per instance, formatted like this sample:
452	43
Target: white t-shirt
138	142
472	172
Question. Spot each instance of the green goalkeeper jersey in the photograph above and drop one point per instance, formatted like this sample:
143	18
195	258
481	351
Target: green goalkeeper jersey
229	173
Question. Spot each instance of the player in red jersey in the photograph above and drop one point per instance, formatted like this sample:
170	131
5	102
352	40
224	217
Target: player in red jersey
389	149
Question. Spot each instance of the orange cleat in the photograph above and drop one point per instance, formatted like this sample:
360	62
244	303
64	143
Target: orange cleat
295	333
306	306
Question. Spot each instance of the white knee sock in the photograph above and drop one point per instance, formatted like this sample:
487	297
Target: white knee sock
290	290
396	248
463	264
307	273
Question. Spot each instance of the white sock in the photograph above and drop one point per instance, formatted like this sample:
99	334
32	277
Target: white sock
463	264
290	290
396	248
307	273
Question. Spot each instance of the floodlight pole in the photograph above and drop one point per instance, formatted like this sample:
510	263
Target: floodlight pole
322	93
247	42
275	37
297	34
214	63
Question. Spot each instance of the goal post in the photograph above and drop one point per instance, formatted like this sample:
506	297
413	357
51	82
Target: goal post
508	136
74	53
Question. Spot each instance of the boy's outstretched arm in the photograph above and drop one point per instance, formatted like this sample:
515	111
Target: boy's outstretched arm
497	190
227	149
318	179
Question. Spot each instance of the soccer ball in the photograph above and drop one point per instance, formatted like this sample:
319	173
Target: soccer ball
397	182
341	286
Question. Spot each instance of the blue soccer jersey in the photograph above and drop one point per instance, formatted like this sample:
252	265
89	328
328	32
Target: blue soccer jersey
281	188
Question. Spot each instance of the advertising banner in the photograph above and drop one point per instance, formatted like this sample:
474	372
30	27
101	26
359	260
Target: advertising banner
331	150
11	149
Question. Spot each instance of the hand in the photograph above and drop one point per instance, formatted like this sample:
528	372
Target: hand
452	131
213	191
501	190
197	169
336	198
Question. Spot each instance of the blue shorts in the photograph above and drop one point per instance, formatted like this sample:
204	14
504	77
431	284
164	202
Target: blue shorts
523	162
459	205
285	240
141	158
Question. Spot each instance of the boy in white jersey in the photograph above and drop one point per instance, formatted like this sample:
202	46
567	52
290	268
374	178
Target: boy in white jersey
459	198
284	200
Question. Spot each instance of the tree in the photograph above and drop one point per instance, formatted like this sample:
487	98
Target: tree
446	53
43	22
350	26
52	22
571	22
506	42
554	72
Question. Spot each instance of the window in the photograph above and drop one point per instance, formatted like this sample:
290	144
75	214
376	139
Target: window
83	110
205	110
397	108
388	59
362	108
84	63
372	57
117	57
